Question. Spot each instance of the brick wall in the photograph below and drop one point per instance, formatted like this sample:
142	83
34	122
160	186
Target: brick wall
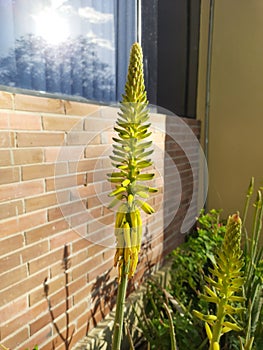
56	233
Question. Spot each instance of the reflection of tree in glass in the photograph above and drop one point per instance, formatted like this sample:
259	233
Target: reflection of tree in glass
72	67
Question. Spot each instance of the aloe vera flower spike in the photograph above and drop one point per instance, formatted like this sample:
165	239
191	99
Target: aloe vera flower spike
225	286
130	158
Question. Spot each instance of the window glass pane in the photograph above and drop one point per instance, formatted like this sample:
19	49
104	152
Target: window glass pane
64	46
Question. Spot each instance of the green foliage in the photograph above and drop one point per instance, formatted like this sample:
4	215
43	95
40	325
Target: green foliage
164	322
154	323
251	315
188	265
190	261
198	257
251	337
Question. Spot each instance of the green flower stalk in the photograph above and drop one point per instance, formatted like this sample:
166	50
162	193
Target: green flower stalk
253	287
225	286
130	158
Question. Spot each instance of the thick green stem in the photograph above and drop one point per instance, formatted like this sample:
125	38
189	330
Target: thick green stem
120	304
172	332
217	329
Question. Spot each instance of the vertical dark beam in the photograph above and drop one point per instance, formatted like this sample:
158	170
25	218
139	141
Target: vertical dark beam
149	30
171	55
178	36
194	31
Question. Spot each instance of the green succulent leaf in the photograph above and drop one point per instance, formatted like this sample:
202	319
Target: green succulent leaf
117	191
116	174
145	177
118	159
144	164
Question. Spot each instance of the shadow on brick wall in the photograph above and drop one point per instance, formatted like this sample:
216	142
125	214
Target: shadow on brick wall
67	336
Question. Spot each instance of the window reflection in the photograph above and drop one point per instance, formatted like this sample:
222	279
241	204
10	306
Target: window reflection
63	46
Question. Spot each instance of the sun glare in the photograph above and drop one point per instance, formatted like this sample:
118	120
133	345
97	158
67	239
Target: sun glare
51	27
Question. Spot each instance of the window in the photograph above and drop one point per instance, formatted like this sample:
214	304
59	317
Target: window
170	41
73	47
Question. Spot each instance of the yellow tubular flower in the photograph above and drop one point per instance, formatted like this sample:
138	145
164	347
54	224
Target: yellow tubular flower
130	157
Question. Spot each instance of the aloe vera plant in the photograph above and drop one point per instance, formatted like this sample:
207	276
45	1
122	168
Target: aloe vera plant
253	287
130	157
225	286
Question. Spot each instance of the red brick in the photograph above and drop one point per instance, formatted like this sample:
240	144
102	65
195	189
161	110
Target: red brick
7	139
82	294
4	119
34	251
43	201
86	266
81	230
80	244
19	190
80	332
62	239
65	182
36	139
11	244
59	312
66	210
81	218
109	254
93	202
101	268
13	276
36	295
9	209
9	262
40	323
56	123
22	287
106	136
6	100
83	165
28	156
22	223
38	104
10	311
70	154
79	257
52	153
57	298
86	191
46	200
54	214
9	175
57	342
98	124
79	108
43	261
43	170
84	138
105	220
95	249
56	285
5	158
77	285
23	319
44	231
15	340
77	310
24	121
39	338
